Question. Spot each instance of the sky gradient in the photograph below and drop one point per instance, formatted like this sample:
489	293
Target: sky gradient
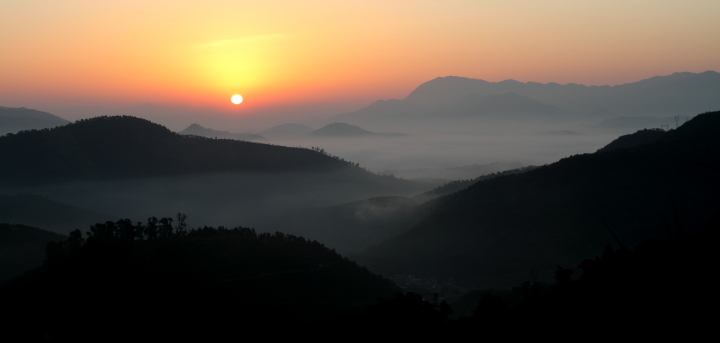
293	53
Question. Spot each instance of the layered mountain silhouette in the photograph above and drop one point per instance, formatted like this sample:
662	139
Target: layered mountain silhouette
676	94
198	130
339	130
494	232
18	119
122	147
39	211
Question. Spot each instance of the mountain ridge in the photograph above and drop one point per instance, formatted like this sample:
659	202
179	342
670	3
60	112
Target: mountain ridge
494	232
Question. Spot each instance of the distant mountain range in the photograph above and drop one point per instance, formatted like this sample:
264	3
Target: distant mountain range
493	233
676	94
13	120
346	130
198	130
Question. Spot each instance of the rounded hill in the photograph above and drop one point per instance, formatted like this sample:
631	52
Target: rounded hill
124	146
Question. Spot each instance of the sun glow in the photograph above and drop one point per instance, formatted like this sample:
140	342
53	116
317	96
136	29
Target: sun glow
236	99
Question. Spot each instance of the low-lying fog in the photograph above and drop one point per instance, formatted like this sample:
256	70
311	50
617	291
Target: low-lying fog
423	154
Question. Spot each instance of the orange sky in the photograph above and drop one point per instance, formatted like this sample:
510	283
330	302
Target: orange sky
199	53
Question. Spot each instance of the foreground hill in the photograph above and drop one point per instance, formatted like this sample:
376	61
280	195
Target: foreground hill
38	211
17	119
22	248
198	130
185	282
637	138
124	147
494	232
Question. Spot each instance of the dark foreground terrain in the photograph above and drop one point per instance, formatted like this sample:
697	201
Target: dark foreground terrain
158	280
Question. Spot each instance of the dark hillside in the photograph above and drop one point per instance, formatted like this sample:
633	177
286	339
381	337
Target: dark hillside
124	147
22	248
494	232
454	186
185	282
631	140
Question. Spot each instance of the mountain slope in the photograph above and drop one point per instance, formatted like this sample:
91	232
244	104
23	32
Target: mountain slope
209	277
123	147
494	232
631	140
17	119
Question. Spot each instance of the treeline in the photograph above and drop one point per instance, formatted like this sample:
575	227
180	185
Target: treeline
183	281
124	279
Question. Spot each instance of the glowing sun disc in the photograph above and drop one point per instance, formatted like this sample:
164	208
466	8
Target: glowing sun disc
236	99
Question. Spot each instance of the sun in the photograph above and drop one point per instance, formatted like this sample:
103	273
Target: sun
236	99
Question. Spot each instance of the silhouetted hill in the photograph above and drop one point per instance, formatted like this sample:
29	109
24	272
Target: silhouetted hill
17	119
454	186
286	131
38	211
352	227
495	231
346	130
22	248
185	282
125	147
198	130
631	140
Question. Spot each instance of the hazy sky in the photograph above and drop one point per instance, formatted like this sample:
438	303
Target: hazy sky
289	53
